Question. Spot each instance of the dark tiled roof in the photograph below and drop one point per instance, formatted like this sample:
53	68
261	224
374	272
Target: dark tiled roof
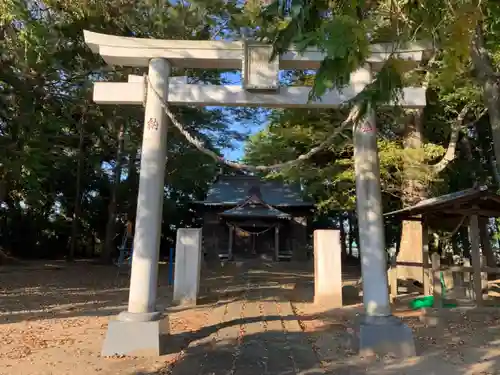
233	190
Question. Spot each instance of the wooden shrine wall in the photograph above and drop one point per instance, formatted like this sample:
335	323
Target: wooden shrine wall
293	237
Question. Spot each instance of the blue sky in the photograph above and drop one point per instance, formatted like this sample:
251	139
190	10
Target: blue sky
237	152
239	147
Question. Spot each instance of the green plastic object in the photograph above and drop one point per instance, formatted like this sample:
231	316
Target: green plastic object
422	302
428	301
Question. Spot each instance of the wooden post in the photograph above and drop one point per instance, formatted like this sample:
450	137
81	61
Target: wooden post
484	275
486	245
466	280
343	244
230	246
277	243
476	258
252	241
393	280
436	280
426	261
215	243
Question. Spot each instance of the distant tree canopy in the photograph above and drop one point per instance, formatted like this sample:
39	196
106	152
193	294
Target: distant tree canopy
69	169
68	165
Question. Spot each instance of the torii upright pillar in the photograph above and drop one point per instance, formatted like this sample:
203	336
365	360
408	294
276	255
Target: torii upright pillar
139	330
380	332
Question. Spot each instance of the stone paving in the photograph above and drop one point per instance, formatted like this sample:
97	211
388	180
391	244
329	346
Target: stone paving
258	326
255	334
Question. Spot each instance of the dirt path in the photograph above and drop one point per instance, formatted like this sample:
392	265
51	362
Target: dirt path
251	320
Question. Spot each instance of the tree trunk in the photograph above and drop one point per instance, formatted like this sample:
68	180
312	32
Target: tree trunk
489	80
343	246
413	191
350	236
75	224
486	245
455	244
464	238
92	245
133	185
107	253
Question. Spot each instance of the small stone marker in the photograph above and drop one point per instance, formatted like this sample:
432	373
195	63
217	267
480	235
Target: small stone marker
327	268
187	266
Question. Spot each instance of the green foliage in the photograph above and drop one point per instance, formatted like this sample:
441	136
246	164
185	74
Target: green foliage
343	30
45	104
329	176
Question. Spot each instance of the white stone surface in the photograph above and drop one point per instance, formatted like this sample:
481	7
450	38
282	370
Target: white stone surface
258	71
327	268
136	338
370	220
137	78
187	266
127	51
144	274
119	93
143	79
235	95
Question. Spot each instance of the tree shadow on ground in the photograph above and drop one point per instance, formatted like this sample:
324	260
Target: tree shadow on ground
281	343
464	344
295	278
39	290
48	290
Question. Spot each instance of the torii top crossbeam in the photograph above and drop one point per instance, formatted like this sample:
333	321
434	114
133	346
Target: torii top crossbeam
260	84
128	51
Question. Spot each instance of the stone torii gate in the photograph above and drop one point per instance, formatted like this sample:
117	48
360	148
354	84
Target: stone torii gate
140	328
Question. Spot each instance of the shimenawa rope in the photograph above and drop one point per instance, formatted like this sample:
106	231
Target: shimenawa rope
352	116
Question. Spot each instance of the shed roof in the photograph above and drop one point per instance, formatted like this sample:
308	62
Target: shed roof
481	201
233	190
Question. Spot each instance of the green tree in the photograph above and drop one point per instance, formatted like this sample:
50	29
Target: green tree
462	35
65	173
462	39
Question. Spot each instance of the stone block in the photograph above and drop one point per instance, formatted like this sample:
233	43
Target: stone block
136	338
386	335
410	256
187	266
327	268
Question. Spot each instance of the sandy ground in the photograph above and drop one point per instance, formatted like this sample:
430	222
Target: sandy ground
53	319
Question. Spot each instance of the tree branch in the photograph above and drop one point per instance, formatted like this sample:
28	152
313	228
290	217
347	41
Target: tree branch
480	56
457	127
494	167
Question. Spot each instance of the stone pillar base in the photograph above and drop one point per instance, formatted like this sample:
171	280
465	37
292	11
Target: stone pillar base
136	335
386	336
332	300
185	302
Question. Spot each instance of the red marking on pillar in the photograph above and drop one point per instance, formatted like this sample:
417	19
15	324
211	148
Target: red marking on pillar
152	124
366	129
